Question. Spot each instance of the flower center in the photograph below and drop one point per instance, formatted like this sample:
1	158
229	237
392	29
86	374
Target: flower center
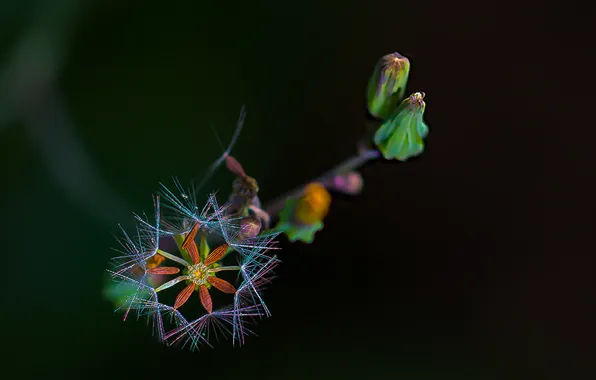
198	273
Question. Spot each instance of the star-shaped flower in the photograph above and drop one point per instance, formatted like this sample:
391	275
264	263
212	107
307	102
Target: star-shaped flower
199	274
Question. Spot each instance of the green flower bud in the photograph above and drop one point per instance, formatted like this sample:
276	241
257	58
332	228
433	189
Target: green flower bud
387	86
401	136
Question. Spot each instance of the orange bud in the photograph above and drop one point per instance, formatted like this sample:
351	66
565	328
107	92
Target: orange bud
313	205
155	261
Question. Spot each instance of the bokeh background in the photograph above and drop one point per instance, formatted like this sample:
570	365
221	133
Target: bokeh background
473	261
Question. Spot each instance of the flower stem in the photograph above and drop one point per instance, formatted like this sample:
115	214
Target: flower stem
275	206
173	258
219	269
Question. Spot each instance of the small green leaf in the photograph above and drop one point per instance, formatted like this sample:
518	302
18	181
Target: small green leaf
203	246
179	239
119	293
306	234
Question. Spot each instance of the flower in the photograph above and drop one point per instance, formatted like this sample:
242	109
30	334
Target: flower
137	274
248	306
401	135
387	85
139	277
199	275
302	217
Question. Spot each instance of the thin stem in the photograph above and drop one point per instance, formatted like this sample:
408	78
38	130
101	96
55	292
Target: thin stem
173	258
219	269
171	283
352	163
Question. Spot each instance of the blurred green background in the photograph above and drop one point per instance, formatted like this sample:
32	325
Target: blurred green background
441	269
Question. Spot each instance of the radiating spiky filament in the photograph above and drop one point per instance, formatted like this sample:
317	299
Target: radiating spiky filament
183	296
206	298
193	252
226	153
221	285
137	294
181	208
216	255
210	327
163	270
257	274
136	250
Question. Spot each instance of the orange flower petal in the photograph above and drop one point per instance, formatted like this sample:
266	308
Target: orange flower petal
183	296
193	251
216	254
163	270
221	285
314	204
206	298
190	237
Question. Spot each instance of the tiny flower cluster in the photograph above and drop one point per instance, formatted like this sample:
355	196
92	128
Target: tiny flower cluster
189	250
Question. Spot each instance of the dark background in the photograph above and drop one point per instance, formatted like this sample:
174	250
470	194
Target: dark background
474	260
